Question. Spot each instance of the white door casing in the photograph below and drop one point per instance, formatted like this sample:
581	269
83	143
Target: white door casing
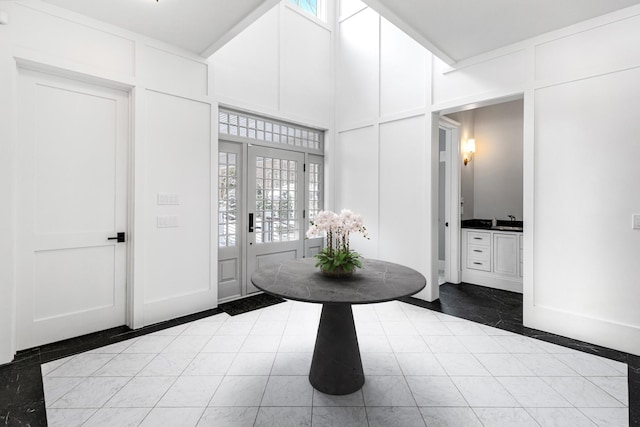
72	182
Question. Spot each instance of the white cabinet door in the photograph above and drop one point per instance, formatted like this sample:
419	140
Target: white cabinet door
72	177
505	250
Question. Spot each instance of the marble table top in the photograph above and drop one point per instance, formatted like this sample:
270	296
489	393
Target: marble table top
300	280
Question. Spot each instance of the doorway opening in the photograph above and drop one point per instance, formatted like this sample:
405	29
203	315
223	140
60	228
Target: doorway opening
270	186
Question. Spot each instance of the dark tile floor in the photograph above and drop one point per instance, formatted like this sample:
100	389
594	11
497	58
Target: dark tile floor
22	396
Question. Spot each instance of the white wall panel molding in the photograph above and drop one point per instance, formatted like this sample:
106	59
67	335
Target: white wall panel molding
403	115
161	67
588	53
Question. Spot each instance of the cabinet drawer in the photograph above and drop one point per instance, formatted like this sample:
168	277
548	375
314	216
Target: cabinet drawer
482	253
478	238
478	264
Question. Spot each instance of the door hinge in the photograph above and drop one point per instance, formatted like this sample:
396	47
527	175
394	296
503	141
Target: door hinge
304	213
304	167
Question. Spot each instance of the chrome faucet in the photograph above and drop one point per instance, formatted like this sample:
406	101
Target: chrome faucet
512	218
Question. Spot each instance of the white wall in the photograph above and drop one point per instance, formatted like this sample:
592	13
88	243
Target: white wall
170	152
467	122
384	132
580	96
281	65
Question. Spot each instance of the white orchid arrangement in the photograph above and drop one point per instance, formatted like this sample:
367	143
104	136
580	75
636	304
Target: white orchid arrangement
337	255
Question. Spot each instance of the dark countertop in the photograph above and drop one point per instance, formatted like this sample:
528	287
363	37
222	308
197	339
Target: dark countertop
485	224
300	280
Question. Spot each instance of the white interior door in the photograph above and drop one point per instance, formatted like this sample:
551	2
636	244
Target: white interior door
275	190
72	180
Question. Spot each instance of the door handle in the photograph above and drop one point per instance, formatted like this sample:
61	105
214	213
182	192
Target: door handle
446	224
250	223
119	237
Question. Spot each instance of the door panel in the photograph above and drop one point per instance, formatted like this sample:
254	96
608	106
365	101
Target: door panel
275	202
72	174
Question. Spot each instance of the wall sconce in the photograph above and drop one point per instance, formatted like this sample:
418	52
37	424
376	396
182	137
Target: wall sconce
469	149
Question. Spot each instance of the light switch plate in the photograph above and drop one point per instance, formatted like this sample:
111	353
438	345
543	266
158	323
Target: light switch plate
635	221
167	221
168	199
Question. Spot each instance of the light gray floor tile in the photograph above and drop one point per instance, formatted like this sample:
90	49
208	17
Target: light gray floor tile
465	328
269	327
189	392
407	344
444	344
121	417
532	392
369	328
505	417
394	417
504	365
292	364
82	365
387	391
171	417
240	391
298	344
546	365
56	387
433	329
124	365
380	364
419	364
588	365
450	417
229	417
150	344
167	365
235	328
261	344
284	417
519	344
353	399
210	364
93	392
483	392
68	417
301	327
560	417
617	387
435	391
481	344
224	344
187	344
141	392
401	327
342	417
462	365
205	329
288	391
608	417
374	344
582	393
47	368
252	364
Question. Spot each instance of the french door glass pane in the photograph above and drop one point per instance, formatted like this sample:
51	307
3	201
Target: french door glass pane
227	198
276	196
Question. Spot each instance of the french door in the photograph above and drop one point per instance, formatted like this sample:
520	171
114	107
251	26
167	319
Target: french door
266	197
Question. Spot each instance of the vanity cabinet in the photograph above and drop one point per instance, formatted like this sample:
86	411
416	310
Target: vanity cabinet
492	258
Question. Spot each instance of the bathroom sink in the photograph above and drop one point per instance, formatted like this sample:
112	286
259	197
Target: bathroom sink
506	228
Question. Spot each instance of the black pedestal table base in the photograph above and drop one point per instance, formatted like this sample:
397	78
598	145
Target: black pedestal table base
336	367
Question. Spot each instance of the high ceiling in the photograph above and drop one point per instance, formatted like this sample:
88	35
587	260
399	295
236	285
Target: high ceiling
200	26
454	30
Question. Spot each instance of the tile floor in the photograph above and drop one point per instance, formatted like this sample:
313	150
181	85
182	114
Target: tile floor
422	368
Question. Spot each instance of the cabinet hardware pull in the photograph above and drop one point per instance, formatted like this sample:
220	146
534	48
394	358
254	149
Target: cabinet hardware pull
477	238
477	250
477	263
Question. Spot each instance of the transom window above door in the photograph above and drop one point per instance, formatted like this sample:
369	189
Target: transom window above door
246	126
